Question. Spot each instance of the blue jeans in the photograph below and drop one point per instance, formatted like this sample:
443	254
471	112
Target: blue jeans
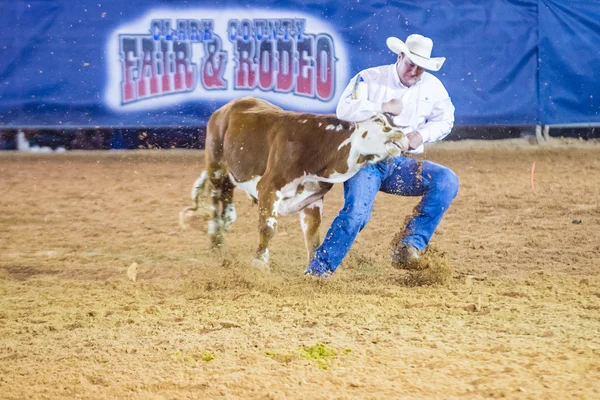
402	176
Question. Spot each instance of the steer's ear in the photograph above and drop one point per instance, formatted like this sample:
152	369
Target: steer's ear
398	135
378	118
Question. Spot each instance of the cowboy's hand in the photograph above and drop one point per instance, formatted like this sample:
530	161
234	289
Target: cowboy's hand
393	107
414	140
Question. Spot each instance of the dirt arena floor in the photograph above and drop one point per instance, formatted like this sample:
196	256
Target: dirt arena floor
519	317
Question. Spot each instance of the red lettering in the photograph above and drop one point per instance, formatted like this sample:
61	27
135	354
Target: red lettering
325	67
285	74
213	70
148	75
168	67
305	78
185	73
246	70
129	62
266	64
128	86
213	66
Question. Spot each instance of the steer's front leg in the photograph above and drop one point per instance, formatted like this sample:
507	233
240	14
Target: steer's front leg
310	220
267	223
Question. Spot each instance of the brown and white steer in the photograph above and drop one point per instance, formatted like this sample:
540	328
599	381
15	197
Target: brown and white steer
285	160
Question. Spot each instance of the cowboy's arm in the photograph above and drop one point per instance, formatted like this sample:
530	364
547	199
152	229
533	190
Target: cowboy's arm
354	105
440	121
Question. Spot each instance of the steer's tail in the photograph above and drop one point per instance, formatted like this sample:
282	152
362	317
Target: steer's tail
199	189
199	194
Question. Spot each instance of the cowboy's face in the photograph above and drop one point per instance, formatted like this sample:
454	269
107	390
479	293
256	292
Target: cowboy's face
408	72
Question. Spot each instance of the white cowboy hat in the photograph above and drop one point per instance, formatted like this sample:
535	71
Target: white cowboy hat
418	49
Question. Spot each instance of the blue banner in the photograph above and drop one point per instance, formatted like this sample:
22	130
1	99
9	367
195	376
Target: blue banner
569	53
164	63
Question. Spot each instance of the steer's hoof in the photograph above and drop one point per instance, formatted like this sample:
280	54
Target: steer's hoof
217	240
186	216
260	264
317	270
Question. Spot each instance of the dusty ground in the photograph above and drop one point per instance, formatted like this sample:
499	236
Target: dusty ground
202	325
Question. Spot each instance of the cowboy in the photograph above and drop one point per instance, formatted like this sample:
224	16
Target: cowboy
421	106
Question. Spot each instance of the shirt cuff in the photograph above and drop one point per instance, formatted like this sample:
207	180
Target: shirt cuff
375	107
425	134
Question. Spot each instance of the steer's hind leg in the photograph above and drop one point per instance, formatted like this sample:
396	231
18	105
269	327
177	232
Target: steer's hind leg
310	220
215	229
267	223
228	216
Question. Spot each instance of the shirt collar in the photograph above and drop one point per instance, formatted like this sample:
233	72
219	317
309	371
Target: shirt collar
397	84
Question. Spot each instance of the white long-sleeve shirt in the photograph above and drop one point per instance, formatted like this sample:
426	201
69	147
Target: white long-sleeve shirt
427	107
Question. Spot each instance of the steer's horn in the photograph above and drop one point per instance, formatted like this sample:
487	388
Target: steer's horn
390	118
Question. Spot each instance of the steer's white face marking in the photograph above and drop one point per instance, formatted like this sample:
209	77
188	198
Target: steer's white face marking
373	137
304	121
370	137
